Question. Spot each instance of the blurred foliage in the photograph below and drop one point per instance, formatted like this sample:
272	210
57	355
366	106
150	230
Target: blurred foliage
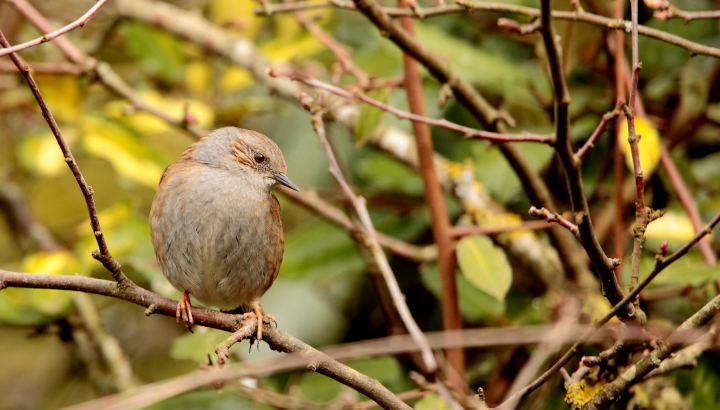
324	294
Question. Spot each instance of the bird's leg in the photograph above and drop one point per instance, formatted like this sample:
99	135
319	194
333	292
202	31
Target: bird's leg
184	311
259	314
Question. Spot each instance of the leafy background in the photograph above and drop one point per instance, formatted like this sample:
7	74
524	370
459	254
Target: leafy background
324	294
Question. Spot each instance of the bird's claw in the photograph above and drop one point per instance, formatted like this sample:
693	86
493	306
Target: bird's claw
184	311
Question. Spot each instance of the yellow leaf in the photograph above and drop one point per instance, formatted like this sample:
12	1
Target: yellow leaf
282	50
145	123
35	306
674	227
62	95
198	75
41	154
235	13
648	146
130	159
235	78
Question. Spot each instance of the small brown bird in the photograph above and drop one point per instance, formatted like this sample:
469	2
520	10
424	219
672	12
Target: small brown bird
215	224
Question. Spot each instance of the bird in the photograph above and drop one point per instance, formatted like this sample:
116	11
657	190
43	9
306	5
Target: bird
215	223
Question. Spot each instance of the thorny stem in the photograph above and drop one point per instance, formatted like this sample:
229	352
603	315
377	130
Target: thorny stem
103	255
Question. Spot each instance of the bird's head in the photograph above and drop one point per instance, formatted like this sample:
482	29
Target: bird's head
244	151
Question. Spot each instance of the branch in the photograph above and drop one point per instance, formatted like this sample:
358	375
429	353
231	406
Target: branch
603	264
103	255
590	143
659	267
666	11
276	339
442	123
687	202
554	217
463	6
642	215
611	392
372	245
50	36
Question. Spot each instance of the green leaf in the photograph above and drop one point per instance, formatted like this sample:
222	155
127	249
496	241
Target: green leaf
370	116
484	266
475	305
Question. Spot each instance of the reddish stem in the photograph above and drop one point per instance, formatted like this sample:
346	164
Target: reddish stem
438	215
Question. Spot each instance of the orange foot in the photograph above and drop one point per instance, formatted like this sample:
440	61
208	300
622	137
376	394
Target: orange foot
259	315
184	311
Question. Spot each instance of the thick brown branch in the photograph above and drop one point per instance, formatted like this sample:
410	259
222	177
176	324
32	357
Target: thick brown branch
277	339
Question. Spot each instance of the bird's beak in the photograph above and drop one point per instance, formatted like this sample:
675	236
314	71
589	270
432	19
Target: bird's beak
283	179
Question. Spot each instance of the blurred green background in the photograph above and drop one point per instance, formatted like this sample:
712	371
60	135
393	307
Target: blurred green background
324	294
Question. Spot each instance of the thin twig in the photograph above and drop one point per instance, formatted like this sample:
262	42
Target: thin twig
590	143
443	123
50	36
554	217
687	202
359	205
103	255
463	6
666	11
462	231
642	215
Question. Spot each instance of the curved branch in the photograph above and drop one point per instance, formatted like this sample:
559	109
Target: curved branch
277	339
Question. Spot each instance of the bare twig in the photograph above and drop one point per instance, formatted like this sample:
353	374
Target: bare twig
359	205
462	231
687	202
51	36
463	6
590	143
103	254
666	11
554	217
443	123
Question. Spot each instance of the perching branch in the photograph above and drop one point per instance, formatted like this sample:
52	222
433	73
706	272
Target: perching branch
276	339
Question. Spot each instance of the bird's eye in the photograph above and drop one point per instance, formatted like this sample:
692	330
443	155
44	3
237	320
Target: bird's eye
259	158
